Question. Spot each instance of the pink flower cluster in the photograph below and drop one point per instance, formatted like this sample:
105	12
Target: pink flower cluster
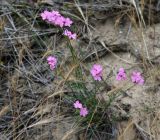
83	110
55	18
137	78
70	34
52	61
121	75
96	72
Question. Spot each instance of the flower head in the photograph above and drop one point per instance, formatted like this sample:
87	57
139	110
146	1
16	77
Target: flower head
68	22
67	33
83	111
121	75
73	36
55	13
54	17
77	104
45	15
96	72
52	61
70	34
121	70
137	78
59	20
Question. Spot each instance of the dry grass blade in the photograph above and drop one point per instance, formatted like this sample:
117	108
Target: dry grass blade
104	45
41	110
57	93
66	77
68	134
83	16
81	12
130	124
42	122
143	132
156	118
4	110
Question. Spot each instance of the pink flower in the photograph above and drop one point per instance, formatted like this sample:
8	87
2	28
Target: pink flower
68	22
83	111
67	33
55	13
54	17
59	21
52	67
96	72
73	36
77	104
45	15
52	61
51	18
137	78
121	75
70	34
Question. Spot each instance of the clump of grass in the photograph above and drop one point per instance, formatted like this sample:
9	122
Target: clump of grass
97	122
